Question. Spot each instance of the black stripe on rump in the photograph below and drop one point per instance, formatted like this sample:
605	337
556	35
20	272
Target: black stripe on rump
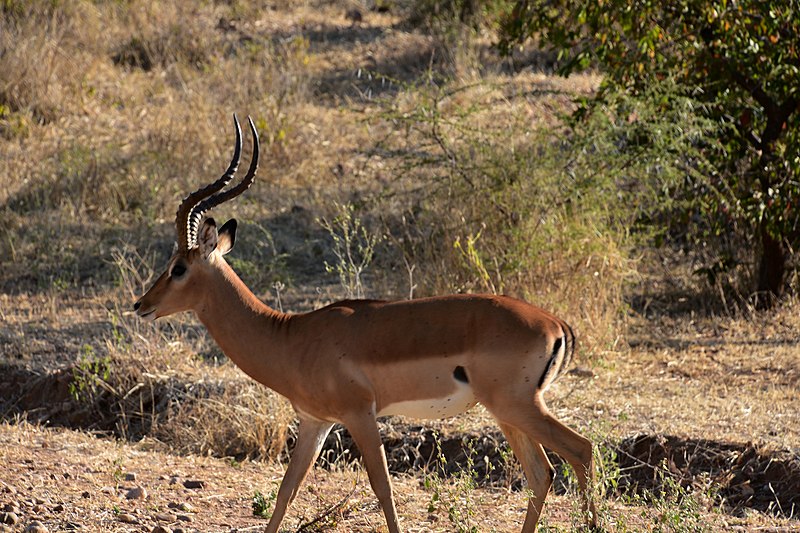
569	347
554	360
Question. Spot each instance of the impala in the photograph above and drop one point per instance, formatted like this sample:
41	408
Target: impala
355	360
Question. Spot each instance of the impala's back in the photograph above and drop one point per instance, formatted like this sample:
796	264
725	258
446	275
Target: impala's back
432	357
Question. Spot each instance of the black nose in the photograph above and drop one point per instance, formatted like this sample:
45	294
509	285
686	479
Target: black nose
136	306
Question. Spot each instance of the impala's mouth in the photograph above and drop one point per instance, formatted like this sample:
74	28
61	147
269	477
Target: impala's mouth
147	315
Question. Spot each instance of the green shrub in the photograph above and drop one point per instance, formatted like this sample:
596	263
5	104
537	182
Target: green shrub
738	61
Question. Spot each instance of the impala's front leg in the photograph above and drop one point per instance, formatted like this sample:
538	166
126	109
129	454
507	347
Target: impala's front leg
365	432
310	438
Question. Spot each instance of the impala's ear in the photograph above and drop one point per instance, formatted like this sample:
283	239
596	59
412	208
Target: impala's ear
227	236
207	237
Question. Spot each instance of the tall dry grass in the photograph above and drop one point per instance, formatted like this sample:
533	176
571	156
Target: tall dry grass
100	145
71	80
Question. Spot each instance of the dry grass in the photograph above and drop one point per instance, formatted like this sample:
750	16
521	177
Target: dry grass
110	112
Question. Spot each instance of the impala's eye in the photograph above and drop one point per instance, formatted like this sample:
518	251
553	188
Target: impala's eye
178	270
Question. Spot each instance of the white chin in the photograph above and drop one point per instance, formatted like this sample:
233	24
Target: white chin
149	317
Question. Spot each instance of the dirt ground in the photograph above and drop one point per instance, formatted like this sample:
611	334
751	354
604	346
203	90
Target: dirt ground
67	480
70	480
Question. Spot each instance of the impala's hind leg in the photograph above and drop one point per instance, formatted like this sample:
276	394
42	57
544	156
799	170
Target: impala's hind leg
538	472
535	422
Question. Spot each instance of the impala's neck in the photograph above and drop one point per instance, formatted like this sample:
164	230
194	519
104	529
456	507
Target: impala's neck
249	332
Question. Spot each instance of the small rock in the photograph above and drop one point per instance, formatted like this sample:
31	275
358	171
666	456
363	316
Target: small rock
582	372
165	517
127	518
354	16
173	480
58	508
185	518
194	484
160	529
179	530
72	526
137	493
85	494
36	527
11	508
183	506
39	508
9	518
130	476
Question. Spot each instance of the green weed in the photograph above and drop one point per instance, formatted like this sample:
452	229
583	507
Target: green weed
474	261
89	374
353	246
262	503
672	508
455	495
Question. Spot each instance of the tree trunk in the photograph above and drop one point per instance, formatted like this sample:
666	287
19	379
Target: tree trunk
774	260
469	13
771	270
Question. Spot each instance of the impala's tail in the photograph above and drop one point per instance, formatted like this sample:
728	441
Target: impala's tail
560	357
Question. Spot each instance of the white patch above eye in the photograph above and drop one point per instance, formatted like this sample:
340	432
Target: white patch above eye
460	400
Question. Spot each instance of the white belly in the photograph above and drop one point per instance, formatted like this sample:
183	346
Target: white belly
456	403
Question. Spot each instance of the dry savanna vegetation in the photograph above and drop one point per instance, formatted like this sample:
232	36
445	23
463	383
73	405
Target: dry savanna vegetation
399	159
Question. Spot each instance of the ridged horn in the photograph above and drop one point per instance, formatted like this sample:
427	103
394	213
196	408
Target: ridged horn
212	201
185	210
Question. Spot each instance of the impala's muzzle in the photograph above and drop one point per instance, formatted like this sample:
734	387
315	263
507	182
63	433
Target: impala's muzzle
147	314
